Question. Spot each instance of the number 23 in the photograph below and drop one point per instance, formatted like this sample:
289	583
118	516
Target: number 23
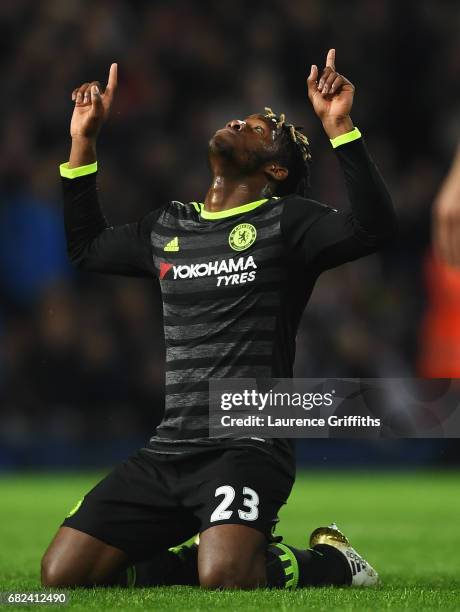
250	501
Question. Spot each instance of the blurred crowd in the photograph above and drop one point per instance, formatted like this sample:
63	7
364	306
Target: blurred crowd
81	356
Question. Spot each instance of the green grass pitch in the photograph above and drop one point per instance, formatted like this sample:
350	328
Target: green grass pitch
406	524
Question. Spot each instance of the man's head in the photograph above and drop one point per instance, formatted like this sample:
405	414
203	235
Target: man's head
265	144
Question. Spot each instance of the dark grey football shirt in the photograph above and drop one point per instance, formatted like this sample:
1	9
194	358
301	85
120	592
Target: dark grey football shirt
234	284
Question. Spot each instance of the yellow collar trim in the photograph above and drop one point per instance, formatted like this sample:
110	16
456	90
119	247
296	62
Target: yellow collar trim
229	212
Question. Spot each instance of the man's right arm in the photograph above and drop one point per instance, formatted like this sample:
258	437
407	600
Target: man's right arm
92	244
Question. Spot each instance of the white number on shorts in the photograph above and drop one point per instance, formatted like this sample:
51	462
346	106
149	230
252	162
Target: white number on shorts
250	502
221	513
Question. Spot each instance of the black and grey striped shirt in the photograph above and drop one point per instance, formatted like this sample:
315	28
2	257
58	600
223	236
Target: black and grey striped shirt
234	284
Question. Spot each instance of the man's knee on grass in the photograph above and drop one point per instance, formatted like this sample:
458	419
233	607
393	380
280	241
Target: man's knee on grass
53	574
231	557
57	573
77	559
232	573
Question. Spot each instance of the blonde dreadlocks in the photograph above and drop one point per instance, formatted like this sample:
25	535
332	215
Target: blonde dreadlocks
294	151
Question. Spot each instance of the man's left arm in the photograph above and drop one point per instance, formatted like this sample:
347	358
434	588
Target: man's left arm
320	234
323	237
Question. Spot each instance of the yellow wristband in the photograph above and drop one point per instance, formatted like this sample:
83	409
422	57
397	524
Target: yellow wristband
344	138
72	173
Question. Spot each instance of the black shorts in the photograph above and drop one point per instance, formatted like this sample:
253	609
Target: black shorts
151	501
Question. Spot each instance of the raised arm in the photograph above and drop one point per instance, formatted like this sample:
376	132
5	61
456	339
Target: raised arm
91	243
319	234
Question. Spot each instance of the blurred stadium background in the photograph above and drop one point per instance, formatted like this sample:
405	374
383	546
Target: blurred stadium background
81	356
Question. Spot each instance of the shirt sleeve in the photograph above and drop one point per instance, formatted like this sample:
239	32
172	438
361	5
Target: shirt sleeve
93	244
321	236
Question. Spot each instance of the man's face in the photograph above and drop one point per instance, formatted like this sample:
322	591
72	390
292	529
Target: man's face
248	143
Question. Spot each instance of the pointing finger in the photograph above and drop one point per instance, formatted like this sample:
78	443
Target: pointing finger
113	80
330	59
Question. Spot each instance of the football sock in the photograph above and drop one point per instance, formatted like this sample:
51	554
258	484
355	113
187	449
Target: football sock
289	567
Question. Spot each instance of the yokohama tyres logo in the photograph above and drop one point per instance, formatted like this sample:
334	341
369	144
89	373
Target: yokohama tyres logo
227	271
